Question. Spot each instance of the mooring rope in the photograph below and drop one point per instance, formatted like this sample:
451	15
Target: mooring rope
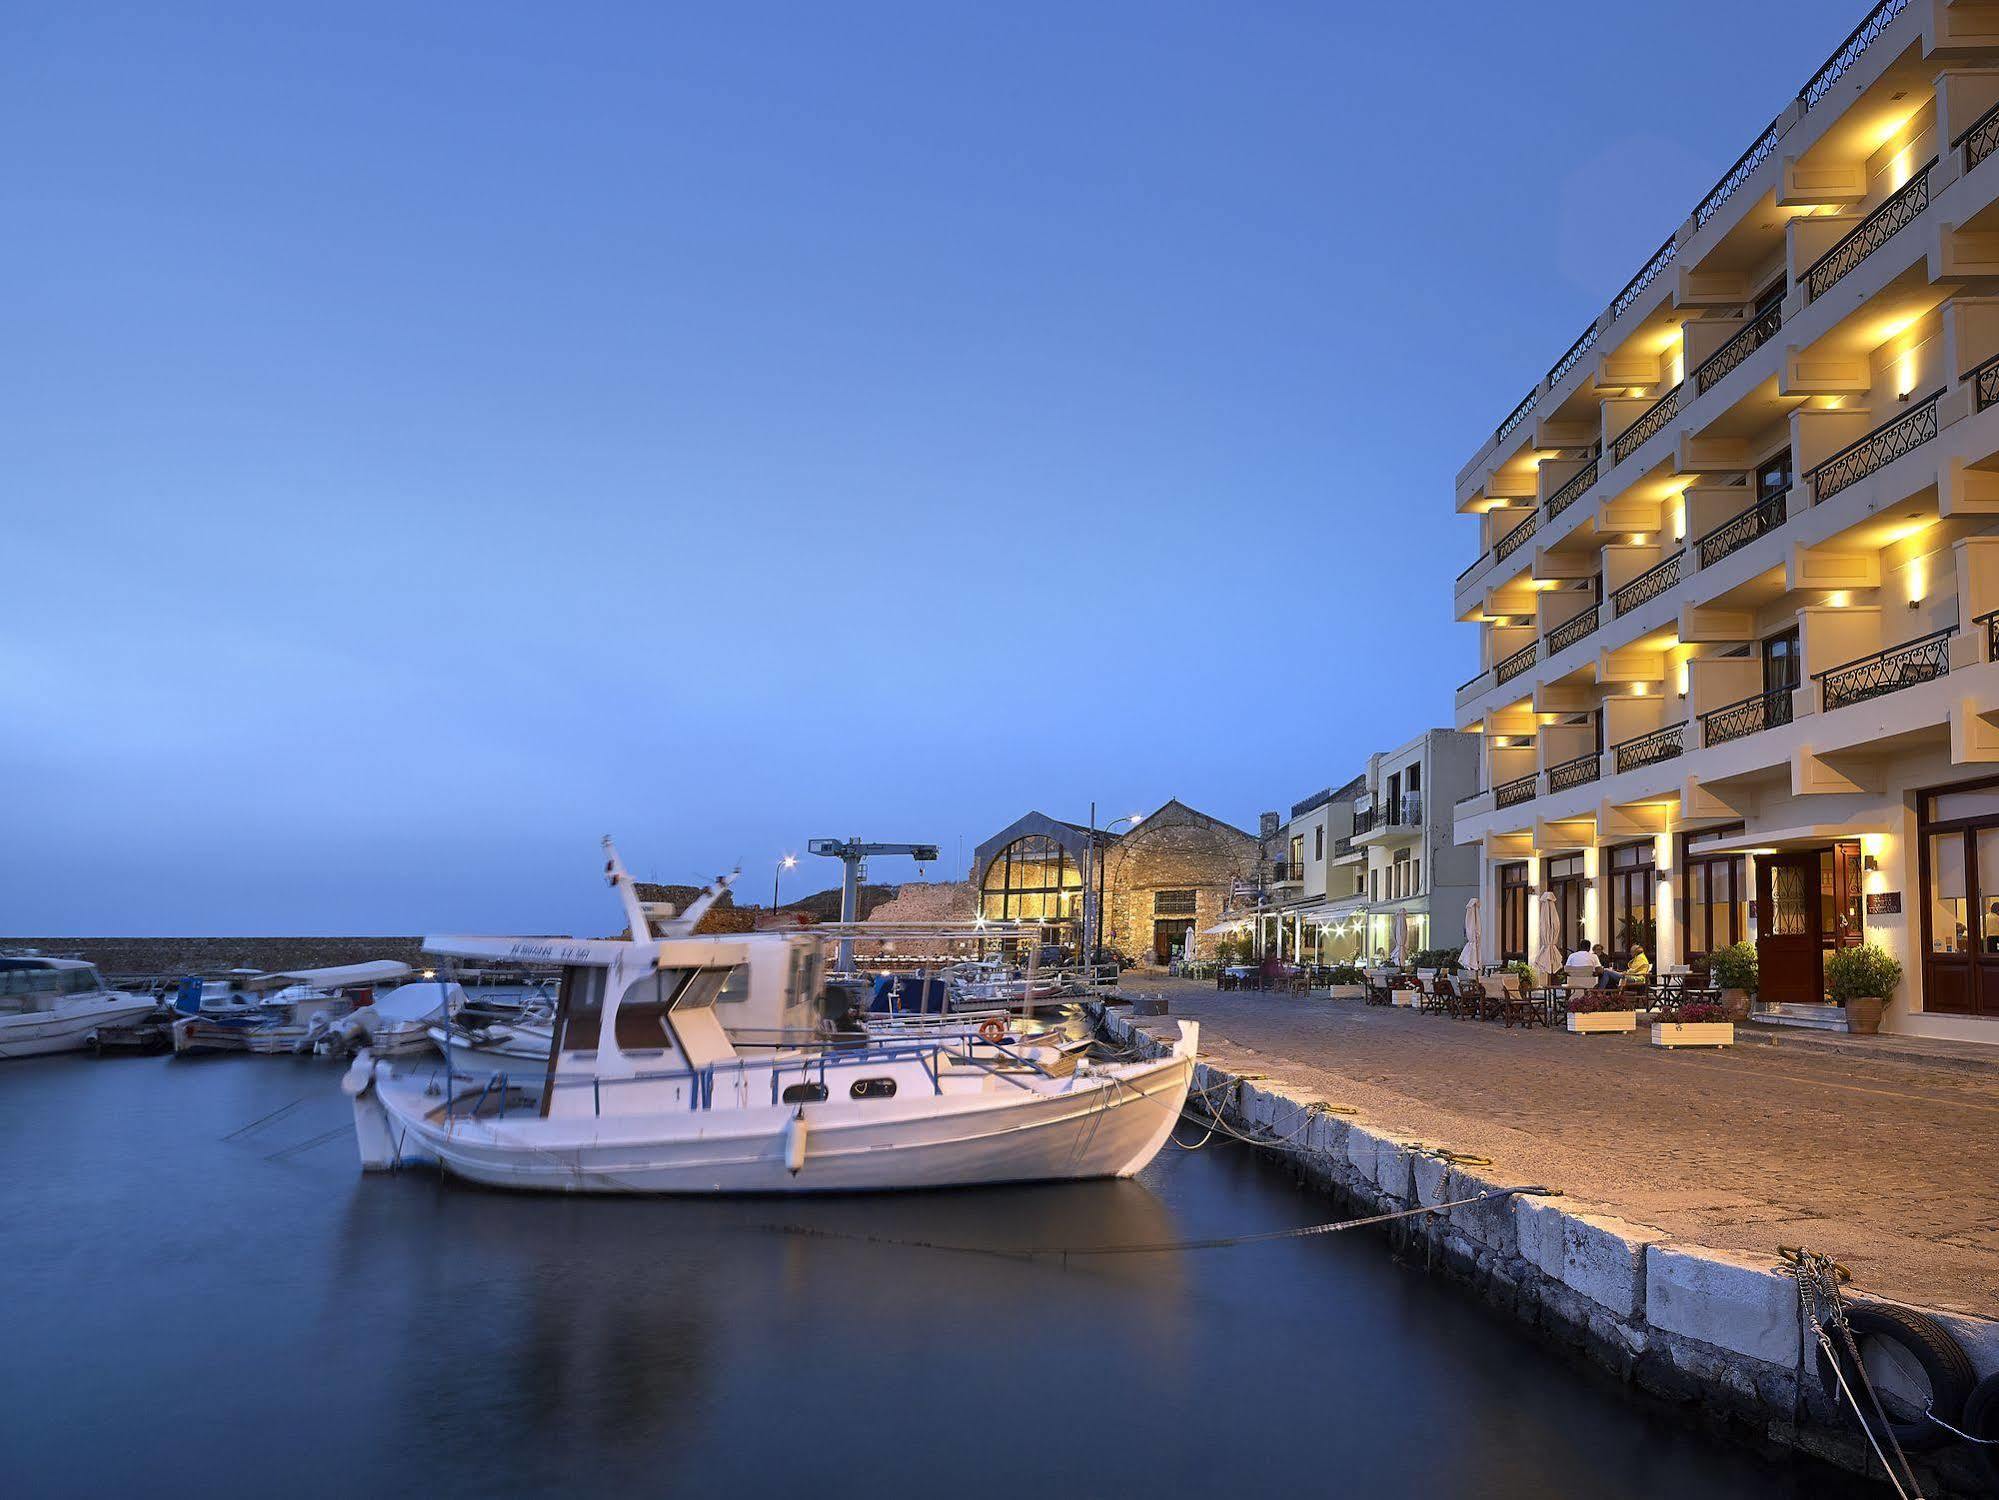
1818	1277
1158	1247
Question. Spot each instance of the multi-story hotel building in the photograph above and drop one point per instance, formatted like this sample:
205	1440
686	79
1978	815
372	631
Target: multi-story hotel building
1351	857
1738	595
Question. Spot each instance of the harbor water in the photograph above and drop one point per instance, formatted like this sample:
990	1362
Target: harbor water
206	1296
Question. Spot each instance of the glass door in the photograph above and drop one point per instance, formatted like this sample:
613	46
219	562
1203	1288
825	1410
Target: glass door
1788	944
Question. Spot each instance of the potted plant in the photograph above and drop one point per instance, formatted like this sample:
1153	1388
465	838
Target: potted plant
1347	983
1734	972
1601	1010
1861	980
1695	1025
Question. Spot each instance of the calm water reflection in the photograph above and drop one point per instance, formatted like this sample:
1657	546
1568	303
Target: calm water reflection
188	1312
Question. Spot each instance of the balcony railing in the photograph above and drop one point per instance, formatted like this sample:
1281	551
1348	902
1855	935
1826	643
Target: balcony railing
1737	532
1650	749
1904	666
1991	623
1573	357
1758	152
1864	35
1510	543
1896	213
1657	415
1648	585
1572	630
1519	414
1647	274
1513	793
1747	339
1515	664
1578	772
1342	847
1286	871
1981	140
1571	489
1984	381
1765	710
1900	434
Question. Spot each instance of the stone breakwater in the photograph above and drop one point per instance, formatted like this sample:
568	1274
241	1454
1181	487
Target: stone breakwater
1717	1333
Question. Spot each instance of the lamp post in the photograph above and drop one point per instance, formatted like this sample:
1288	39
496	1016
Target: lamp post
789	862
1093	887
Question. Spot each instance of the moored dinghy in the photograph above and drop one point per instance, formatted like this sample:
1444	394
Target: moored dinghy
648	1090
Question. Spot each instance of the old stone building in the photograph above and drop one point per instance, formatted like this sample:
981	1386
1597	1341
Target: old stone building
1158	885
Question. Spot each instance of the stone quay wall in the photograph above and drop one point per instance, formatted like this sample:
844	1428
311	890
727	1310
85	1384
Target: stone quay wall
1717	1334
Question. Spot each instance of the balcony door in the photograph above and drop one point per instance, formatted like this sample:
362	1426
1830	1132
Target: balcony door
1781	662
1789	943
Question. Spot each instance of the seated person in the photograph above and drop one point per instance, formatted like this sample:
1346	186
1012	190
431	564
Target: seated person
1639	970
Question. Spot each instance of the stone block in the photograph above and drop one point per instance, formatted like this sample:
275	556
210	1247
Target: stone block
1489	1223
1728	1301
1361	1146
1537	1227
1431	1175
1604	1259
1392	1163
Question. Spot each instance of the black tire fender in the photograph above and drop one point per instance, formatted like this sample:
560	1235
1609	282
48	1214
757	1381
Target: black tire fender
1914	1342
1981	1420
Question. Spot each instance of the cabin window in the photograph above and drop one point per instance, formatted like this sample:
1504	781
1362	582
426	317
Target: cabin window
735	986
582	1004
705	987
809	1093
873	1088
641	1024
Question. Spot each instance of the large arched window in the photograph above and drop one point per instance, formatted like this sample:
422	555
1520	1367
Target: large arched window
1032	880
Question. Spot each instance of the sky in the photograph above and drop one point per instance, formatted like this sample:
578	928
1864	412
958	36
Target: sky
434	437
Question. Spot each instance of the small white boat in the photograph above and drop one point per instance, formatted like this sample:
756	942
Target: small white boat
988	982
398	1022
60	1005
649	1091
276	1013
502	1046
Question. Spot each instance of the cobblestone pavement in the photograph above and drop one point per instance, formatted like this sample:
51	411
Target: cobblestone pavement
1889	1165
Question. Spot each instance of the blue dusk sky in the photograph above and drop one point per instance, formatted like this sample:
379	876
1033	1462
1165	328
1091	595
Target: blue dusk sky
434	436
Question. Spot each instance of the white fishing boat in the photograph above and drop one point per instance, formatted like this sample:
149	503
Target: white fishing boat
60	1005
686	1064
275	1013
397	1022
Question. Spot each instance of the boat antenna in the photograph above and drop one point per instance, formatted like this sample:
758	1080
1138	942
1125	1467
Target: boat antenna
620	880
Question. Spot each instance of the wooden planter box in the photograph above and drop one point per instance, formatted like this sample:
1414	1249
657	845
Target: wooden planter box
1405	998
1693	1033
1347	992
1604	1020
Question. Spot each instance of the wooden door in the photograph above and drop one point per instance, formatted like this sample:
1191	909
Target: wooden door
1788	939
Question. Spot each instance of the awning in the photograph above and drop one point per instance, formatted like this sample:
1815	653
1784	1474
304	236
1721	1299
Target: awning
1810	836
343	976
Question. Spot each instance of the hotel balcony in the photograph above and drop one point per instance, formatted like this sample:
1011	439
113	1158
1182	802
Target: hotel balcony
1390	822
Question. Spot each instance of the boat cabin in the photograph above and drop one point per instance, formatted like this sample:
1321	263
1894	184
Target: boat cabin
31	982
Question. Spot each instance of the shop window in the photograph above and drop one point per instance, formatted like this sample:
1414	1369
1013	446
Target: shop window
1949	904
1633	916
1513	900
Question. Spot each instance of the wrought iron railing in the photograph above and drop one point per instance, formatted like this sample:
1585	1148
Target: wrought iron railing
1648	585
1984	382
1513	793
1904	666
1647	274
1572	630
1469	681
1573	357
1285	871
1900	434
1765	710
1342	847
1657	415
1991	624
1515	664
1758	152
1650	749
1981	139
1572	488
1896	213
1578	772
1518	415
1747	339
1510	543
1738	531
1848	52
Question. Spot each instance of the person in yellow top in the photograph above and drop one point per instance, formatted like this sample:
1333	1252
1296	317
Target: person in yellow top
1639	970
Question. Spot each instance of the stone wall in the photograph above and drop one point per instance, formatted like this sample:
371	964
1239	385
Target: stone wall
1175	849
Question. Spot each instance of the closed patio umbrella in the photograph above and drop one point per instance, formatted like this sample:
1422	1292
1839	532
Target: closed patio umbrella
1548	953
1473	955
1399	953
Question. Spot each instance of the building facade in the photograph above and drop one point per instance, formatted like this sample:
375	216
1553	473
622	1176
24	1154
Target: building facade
1351	858
1738	598
1160	885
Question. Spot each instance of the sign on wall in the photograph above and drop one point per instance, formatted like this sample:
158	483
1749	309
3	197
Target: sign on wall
1884	903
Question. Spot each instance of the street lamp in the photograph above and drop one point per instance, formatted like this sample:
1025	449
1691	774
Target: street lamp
789	862
1093	881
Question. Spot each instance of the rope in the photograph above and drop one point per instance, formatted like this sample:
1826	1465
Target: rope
282	1109
1818	1277
1161	1247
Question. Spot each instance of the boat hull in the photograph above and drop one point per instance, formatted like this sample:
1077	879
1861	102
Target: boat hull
70	1026
1108	1124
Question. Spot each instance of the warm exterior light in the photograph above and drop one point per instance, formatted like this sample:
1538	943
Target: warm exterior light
1838	599
1683	679
1637	689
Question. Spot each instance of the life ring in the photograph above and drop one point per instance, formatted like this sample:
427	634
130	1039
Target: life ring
993	1029
1981	1420
1912	1362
